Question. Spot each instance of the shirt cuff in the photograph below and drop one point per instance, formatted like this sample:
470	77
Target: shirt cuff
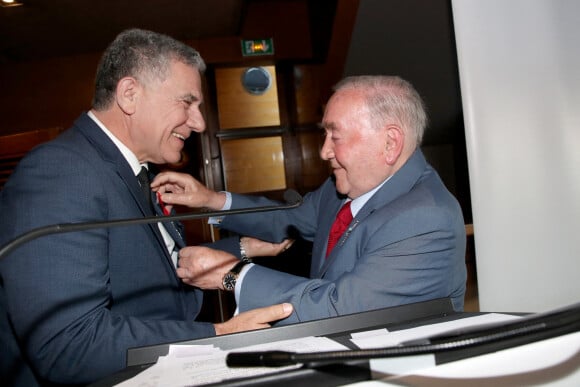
239	280
216	220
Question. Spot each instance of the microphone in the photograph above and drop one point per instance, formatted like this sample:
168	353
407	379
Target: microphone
292	200
463	343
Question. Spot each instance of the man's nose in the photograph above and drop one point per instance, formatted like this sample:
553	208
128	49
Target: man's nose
327	150
196	122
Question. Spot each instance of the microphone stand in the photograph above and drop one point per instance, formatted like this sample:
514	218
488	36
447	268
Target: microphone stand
464	343
293	199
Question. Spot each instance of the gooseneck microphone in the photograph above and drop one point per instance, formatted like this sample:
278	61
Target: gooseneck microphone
292	200
464	343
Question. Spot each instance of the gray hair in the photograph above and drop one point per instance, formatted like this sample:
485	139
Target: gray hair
390	99
141	54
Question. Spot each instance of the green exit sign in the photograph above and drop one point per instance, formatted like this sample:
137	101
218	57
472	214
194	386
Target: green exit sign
257	47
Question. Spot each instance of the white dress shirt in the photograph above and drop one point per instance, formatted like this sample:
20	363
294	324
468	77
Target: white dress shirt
136	167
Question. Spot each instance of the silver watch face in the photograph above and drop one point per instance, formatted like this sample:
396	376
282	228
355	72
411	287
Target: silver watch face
229	281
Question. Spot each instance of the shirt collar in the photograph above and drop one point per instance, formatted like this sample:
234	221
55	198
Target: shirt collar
359	202
126	152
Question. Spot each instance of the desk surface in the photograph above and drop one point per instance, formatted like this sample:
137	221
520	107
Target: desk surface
331	327
336	328
539	337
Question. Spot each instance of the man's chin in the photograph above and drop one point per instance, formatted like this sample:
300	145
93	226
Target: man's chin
341	188
176	158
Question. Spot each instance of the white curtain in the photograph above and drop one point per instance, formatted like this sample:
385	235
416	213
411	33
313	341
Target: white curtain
519	68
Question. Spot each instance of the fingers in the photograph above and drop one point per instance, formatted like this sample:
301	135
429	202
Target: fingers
277	312
174	188
259	248
254	319
183	189
175	179
265	315
179	198
286	244
204	267
185	275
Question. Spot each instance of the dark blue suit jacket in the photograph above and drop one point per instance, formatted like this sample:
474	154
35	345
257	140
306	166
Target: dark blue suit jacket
78	301
405	245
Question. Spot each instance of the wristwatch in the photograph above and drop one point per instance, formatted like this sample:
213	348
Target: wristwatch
230	278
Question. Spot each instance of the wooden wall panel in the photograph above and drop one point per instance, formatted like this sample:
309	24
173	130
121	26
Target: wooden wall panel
239	109
253	164
48	93
309	104
314	169
14	146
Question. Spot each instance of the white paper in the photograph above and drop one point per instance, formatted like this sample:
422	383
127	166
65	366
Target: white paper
400	365
394	338
366	334
554	362
196	365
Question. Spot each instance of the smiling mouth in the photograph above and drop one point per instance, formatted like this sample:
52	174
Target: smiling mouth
179	136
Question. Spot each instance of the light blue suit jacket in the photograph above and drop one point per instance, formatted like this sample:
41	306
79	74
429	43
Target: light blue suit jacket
406	244
78	301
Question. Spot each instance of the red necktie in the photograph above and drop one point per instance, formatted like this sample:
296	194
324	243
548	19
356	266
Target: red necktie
340	224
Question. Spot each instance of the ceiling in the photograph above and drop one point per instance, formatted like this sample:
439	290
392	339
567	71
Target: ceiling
41	28
411	38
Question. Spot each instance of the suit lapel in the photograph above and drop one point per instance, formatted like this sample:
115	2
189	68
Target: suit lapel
175	229
332	202
111	155
399	184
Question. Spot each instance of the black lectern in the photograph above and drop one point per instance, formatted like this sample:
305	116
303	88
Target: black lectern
334	328
531	332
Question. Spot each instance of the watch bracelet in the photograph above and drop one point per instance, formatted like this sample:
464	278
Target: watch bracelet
243	253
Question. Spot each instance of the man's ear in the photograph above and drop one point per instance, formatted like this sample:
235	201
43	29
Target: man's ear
394	145
126	94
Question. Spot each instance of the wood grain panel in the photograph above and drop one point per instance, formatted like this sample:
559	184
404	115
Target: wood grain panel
239	109
314	169
253	164
14	146
309	105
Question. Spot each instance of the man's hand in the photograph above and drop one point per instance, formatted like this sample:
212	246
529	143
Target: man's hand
204	267
183	189
254	319
259	248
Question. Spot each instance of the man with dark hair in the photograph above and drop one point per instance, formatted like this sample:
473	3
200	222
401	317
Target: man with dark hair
77	301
